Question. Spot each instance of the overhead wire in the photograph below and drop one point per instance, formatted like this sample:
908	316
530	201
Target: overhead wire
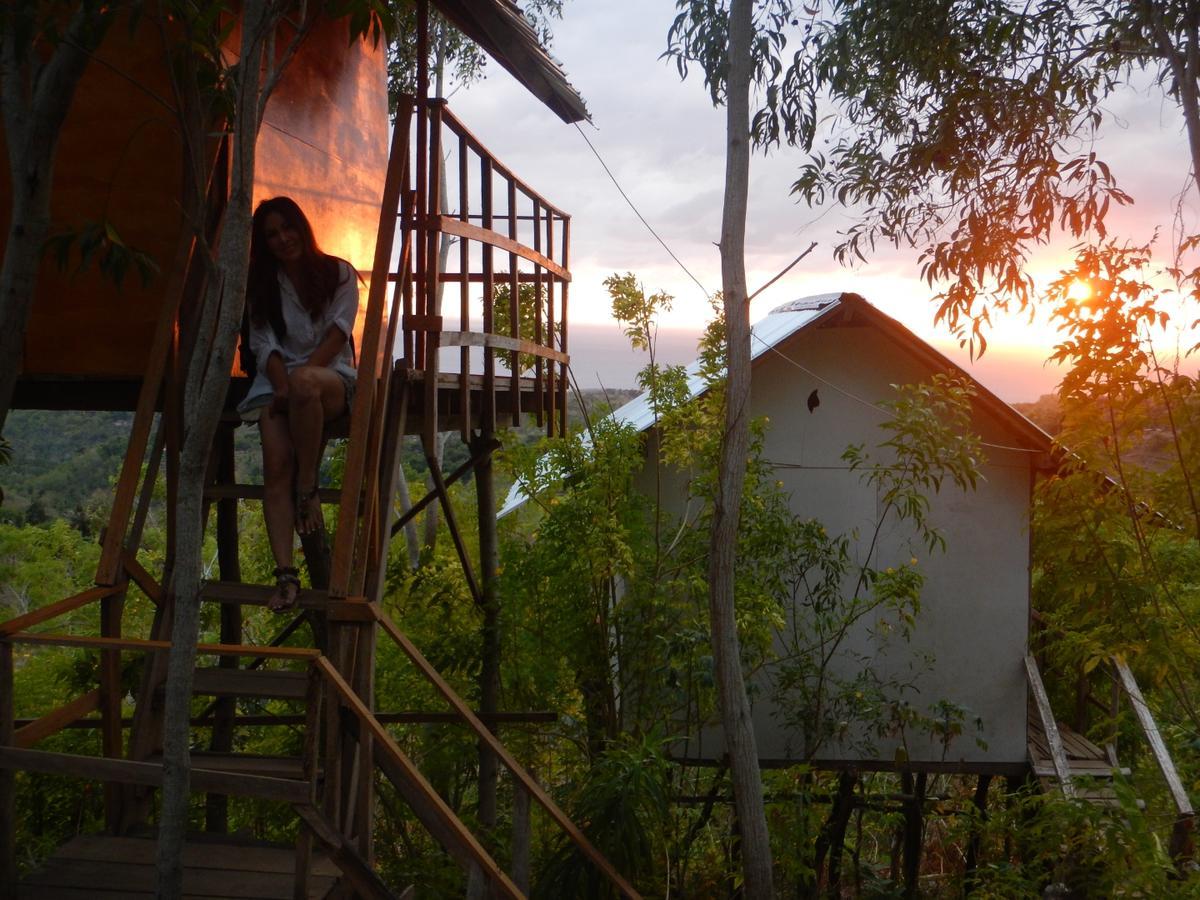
707	294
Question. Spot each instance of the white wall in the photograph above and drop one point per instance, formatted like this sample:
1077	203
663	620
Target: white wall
974	617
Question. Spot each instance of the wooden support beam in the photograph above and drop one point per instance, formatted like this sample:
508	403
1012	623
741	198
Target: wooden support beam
1050	727
443	493
143	579
458	473
54	610
58	719
362	877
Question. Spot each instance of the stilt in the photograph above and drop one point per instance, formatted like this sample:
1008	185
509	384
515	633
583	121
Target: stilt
914	807
980	802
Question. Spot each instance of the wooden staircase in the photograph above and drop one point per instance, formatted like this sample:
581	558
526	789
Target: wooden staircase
1067	762
326	691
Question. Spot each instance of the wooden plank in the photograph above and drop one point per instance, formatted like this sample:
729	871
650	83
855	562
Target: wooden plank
1158	747
127	771
226	852
138	644
368	367
1050	727
55	721
137	572
352	609
255	492
201	881
431	807
502	342
60	607
361	876
261	683
458	228
518	771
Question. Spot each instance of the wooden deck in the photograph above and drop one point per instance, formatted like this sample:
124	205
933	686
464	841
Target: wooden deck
99	867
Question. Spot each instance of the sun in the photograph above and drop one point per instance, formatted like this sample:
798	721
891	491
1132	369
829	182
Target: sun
1079	291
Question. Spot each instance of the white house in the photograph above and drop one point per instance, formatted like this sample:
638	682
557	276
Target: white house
971	634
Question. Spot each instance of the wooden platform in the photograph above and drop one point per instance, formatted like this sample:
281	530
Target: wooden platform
1085	760
99	867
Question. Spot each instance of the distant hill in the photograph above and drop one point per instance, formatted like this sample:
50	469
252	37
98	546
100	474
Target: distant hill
1045	412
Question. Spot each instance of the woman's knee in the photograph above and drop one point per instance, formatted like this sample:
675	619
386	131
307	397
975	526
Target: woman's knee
304	384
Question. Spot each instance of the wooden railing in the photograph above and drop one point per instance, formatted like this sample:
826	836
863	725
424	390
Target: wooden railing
510	265
330	698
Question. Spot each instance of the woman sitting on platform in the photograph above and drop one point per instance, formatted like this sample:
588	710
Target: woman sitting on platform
301	308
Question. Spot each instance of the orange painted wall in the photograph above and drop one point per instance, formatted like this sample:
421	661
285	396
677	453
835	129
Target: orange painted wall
324	142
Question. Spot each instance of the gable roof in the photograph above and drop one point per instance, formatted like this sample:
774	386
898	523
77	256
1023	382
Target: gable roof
820	310
499	27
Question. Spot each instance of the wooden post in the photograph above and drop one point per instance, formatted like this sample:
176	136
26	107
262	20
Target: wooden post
216	814
833	834
521	836
913	825
112	742
489	673
980	801
8	787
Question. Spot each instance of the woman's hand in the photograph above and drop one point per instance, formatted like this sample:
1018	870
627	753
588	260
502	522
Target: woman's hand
279	403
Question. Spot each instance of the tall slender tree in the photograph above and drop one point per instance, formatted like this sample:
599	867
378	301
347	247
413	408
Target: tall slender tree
41	63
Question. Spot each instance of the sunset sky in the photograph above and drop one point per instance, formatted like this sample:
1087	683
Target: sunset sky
664	142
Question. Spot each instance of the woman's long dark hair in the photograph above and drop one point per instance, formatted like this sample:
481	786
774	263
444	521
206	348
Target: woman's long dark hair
321	272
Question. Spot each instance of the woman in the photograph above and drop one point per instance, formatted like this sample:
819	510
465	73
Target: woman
301	305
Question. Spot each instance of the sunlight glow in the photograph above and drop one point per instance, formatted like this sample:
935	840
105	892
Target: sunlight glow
1079	291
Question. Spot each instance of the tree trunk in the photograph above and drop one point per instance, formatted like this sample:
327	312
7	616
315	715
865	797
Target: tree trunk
731	688
204	397
36	98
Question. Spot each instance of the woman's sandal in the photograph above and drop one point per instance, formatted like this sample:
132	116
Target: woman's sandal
287	589
308	510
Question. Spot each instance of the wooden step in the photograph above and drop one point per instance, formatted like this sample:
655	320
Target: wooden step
122	868
308	599
257	594
1089	768
266	684
230	491
291	767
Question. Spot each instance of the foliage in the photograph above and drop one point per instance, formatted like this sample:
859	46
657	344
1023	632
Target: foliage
623	805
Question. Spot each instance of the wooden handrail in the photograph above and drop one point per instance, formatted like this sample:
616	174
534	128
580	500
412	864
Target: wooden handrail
452	122
1157	747
1058	755
58	719
518	771
501	342
445	821
467	231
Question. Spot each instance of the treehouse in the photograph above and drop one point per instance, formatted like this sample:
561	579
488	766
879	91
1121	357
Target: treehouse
448	341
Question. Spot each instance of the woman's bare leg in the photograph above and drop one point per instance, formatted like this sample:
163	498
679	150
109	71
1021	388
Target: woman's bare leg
316	395
279	473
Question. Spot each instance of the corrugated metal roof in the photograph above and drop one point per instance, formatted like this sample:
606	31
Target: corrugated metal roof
786	320
778	325
500	28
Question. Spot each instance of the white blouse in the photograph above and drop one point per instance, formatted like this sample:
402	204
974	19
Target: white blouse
303	334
